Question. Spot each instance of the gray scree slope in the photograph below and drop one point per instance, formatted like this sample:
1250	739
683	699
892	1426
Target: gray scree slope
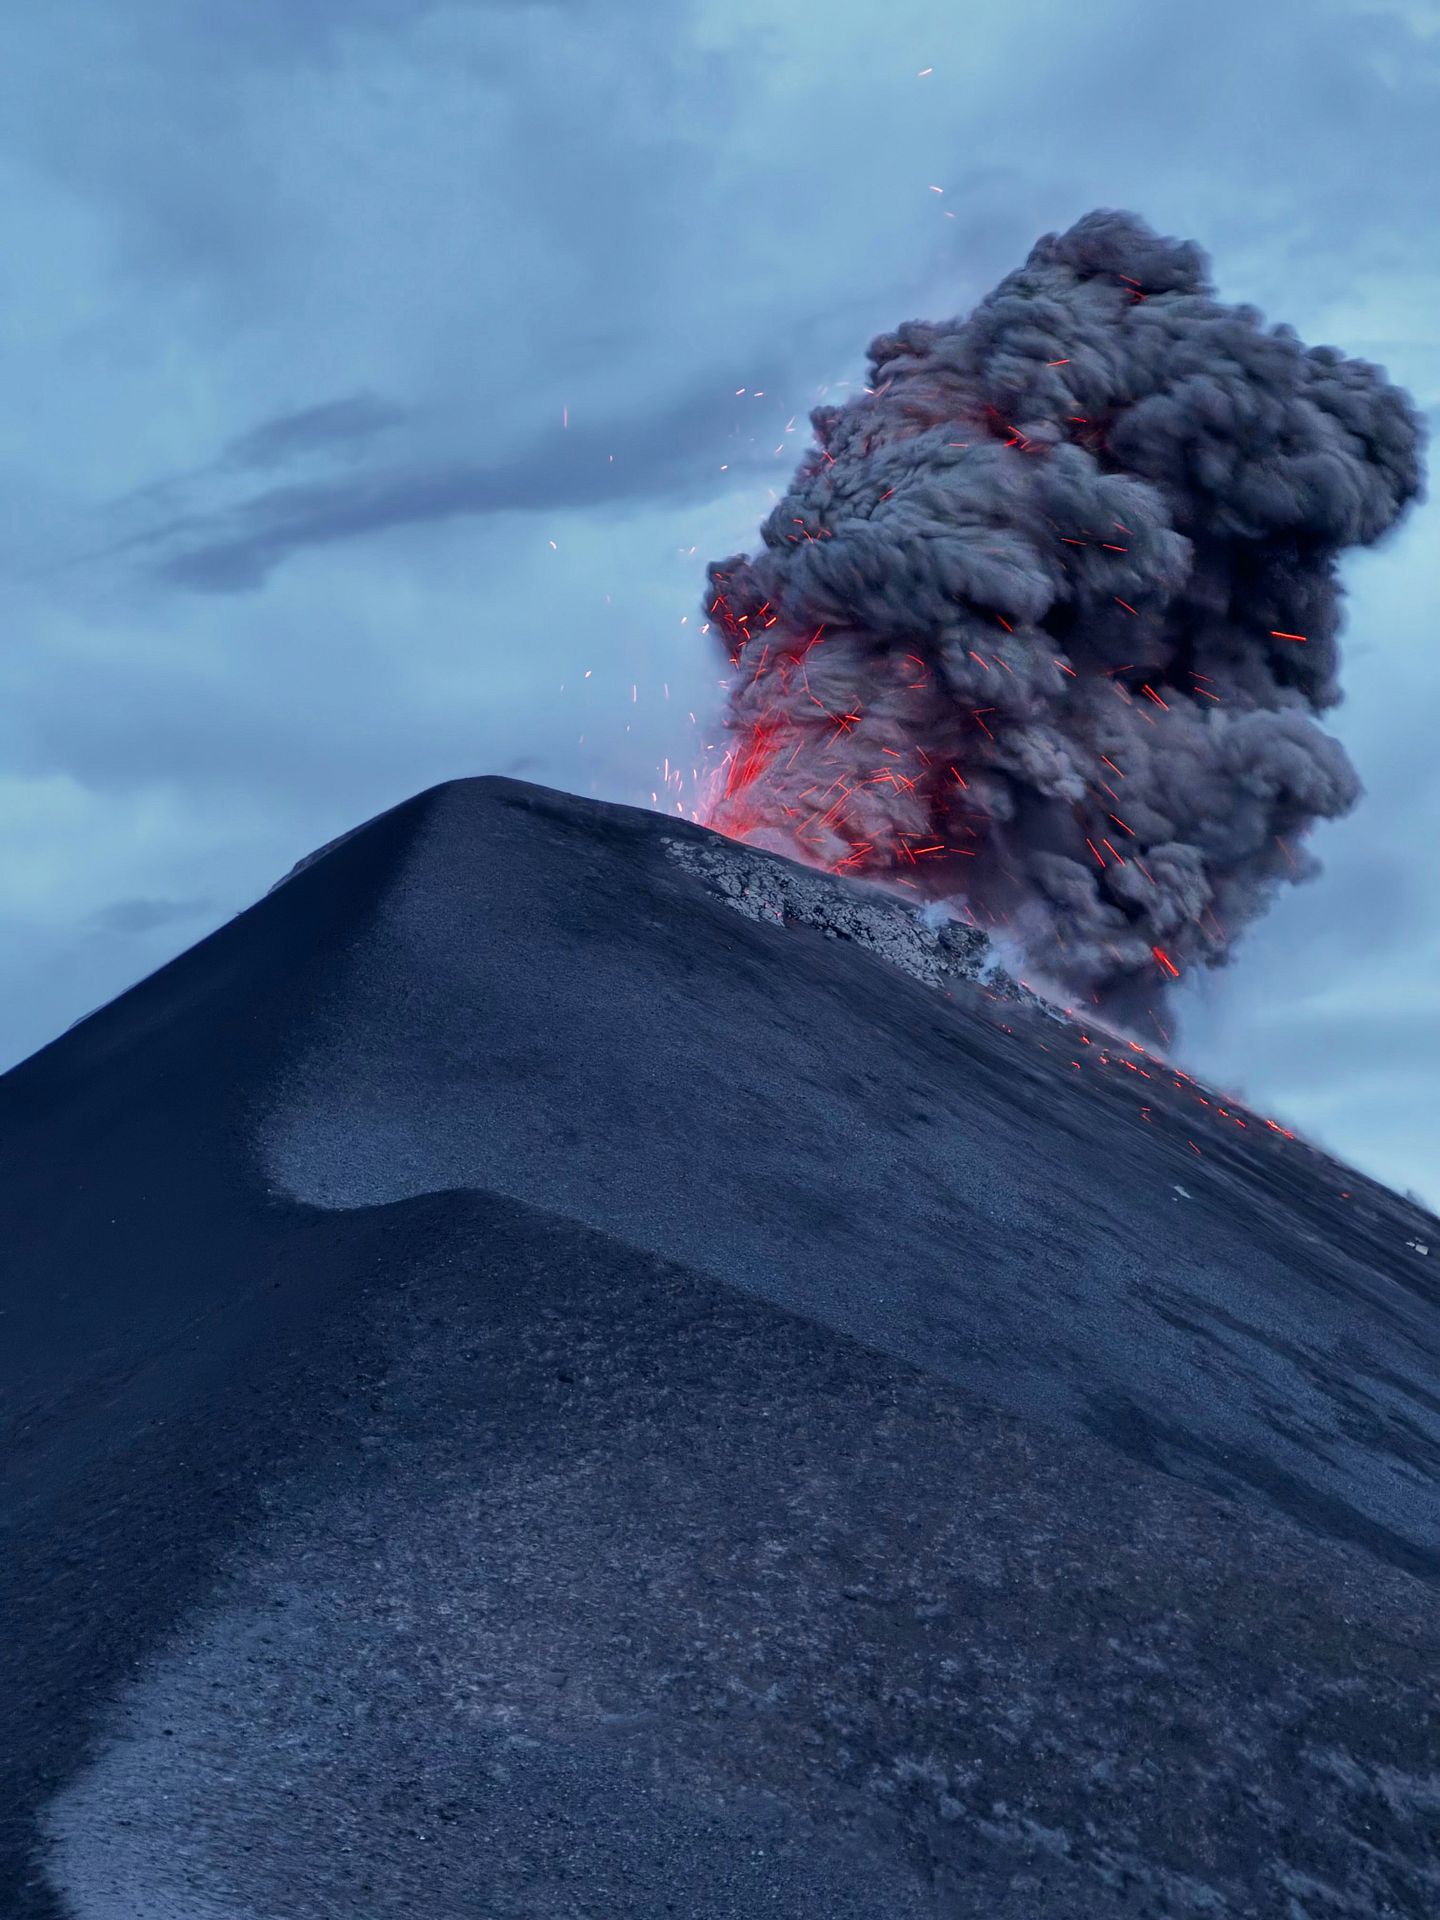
590	1402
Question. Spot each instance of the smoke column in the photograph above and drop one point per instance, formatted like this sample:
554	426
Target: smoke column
1046	617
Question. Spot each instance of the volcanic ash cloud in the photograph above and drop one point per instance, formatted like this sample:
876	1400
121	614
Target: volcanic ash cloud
1045	620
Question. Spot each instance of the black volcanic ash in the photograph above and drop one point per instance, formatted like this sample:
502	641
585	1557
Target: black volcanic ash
1045	619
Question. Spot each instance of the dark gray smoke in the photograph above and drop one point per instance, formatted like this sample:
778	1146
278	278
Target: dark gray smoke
1044	620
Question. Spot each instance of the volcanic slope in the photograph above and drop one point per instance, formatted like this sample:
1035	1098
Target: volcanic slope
532	1392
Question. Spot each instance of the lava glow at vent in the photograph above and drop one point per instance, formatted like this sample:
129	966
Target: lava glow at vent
1045	620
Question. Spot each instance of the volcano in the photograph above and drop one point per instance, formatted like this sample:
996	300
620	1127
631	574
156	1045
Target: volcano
561	1365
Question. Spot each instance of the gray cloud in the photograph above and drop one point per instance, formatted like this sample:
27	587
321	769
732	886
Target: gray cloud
235	548
1103	510
145	916
329	427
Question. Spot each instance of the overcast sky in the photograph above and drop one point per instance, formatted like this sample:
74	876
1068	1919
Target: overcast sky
371	376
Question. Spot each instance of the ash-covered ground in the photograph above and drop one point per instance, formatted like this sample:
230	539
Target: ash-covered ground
535	1392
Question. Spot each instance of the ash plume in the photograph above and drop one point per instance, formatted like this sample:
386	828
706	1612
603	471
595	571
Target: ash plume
1044	621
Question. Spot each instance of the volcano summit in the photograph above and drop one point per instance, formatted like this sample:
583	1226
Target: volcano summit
530	1391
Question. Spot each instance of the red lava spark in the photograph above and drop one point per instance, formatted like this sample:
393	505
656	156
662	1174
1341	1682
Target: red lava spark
1166	962
751	761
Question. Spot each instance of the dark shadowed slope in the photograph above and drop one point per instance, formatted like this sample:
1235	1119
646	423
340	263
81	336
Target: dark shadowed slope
530	1392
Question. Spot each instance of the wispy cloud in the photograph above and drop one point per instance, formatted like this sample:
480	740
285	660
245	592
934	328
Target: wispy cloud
234	546
331	427
144	916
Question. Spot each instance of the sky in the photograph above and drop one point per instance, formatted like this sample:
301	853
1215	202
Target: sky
380	376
